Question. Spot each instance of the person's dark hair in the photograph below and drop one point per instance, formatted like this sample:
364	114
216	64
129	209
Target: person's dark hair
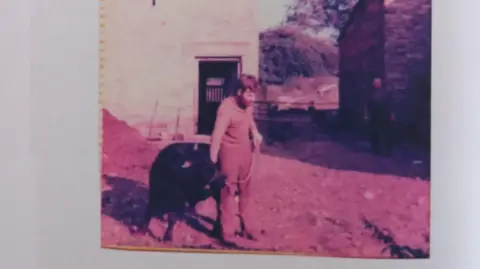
247	82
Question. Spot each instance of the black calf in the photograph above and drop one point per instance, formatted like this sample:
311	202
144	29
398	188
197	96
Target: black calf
181	176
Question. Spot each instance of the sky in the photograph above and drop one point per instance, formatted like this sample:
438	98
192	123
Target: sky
272	12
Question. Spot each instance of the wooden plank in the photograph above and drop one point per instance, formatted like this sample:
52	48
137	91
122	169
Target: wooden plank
290	120
261	104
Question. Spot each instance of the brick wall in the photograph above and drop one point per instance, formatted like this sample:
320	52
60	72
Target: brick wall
148	55
361	44
407	44
391	39
361	52
407	62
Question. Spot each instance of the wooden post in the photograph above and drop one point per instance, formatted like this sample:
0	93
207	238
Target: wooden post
153	118
177	125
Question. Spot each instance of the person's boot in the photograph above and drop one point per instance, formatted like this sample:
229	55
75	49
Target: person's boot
225	239
248	234
245	232
228	240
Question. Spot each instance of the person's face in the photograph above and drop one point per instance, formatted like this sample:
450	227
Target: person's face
377	83
247	97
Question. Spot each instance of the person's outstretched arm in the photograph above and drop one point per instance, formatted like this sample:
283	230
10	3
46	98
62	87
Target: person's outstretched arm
257	137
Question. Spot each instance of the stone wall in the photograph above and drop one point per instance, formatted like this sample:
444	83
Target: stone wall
407	63
408	40
361	43
362	57
390	39
149	68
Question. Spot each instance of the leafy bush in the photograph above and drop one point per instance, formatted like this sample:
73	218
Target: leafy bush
289	52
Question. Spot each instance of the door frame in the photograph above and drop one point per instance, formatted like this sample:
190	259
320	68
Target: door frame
209	59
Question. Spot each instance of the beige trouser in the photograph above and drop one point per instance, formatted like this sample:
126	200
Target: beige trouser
236	162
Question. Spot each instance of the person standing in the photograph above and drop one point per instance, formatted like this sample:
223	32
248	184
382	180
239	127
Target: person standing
380	115
231	148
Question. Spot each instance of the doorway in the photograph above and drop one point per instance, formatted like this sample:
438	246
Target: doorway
216	82
354	91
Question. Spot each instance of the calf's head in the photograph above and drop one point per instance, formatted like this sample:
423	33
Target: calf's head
196	160
206	171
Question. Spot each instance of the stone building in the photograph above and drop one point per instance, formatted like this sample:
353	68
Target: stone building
361	45
408	63
390	39
165	66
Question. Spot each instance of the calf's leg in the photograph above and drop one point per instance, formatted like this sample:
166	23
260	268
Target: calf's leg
172	220
141	227
217	226
174	203
146	219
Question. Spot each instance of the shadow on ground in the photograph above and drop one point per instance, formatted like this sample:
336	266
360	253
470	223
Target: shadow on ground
126	200
346	152
395	249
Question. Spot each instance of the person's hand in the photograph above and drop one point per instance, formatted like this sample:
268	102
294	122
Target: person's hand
257	139
214	159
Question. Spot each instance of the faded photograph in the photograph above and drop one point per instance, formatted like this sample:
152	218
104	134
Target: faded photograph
293	127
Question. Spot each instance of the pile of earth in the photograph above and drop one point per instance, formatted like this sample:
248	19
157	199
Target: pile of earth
123	146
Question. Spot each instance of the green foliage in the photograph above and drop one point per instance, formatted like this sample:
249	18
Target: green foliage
319	14
288	52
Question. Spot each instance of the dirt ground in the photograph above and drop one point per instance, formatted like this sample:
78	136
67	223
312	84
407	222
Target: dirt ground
322	198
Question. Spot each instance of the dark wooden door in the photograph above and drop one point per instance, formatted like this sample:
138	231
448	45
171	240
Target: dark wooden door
354	89
216	81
